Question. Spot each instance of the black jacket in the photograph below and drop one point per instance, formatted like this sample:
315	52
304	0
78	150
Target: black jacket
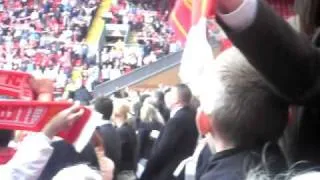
83	95
234	164
128	141
64	155
176	142
203	162
112	146
145	140
291	65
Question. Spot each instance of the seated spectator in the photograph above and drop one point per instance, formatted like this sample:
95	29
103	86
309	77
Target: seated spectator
242	116
128	141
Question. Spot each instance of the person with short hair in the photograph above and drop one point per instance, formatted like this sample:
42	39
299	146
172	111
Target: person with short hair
109	133
178	138
242	115
288	60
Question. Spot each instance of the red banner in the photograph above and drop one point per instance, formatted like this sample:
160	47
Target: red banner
23	113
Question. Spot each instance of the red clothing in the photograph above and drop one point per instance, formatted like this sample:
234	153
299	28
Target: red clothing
6	155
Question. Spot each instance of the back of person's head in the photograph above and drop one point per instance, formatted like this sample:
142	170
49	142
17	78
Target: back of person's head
159	97
178	95
242	109
149	113
121	109
5	137
104	105
79	172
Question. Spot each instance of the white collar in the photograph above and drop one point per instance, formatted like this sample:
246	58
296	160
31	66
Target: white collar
175	110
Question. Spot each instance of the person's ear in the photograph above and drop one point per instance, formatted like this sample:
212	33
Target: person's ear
204	123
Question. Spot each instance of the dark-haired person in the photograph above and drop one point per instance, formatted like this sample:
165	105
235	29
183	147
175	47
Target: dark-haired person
178	138
111	137
287	60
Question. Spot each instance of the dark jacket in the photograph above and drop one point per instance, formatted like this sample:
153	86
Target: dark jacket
176	142
203	162
111	139
64	155
234	164
128	141
146	142
291	64
83	95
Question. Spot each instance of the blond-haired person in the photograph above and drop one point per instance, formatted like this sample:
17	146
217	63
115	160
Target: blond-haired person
128	140
148	131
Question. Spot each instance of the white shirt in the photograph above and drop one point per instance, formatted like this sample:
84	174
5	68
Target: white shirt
242	17
30	159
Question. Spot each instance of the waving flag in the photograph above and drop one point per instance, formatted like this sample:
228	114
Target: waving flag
186	13
197	52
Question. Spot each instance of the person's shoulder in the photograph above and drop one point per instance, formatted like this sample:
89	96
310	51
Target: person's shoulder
185	112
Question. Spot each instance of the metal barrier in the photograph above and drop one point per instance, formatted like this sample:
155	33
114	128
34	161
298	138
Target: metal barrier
139	75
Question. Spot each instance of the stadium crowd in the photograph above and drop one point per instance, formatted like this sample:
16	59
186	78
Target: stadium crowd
254	114
47	40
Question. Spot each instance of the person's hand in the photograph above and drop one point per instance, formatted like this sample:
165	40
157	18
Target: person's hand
228	6
106	164
63	120
43	88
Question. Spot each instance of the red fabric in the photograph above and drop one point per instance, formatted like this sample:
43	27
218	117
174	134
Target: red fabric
283	7
202	8
225	44
188	12
6	155
180	19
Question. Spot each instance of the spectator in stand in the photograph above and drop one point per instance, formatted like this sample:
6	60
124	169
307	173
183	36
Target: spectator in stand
160	105
83	95
128	141
177	139
151	122
110	135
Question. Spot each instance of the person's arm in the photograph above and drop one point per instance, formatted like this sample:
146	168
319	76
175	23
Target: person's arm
287	60
35	151
165	148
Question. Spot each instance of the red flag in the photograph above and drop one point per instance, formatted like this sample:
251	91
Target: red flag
187	13
202	8
180	19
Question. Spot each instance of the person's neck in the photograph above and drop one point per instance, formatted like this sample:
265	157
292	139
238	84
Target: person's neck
177	106
119	123
220	145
